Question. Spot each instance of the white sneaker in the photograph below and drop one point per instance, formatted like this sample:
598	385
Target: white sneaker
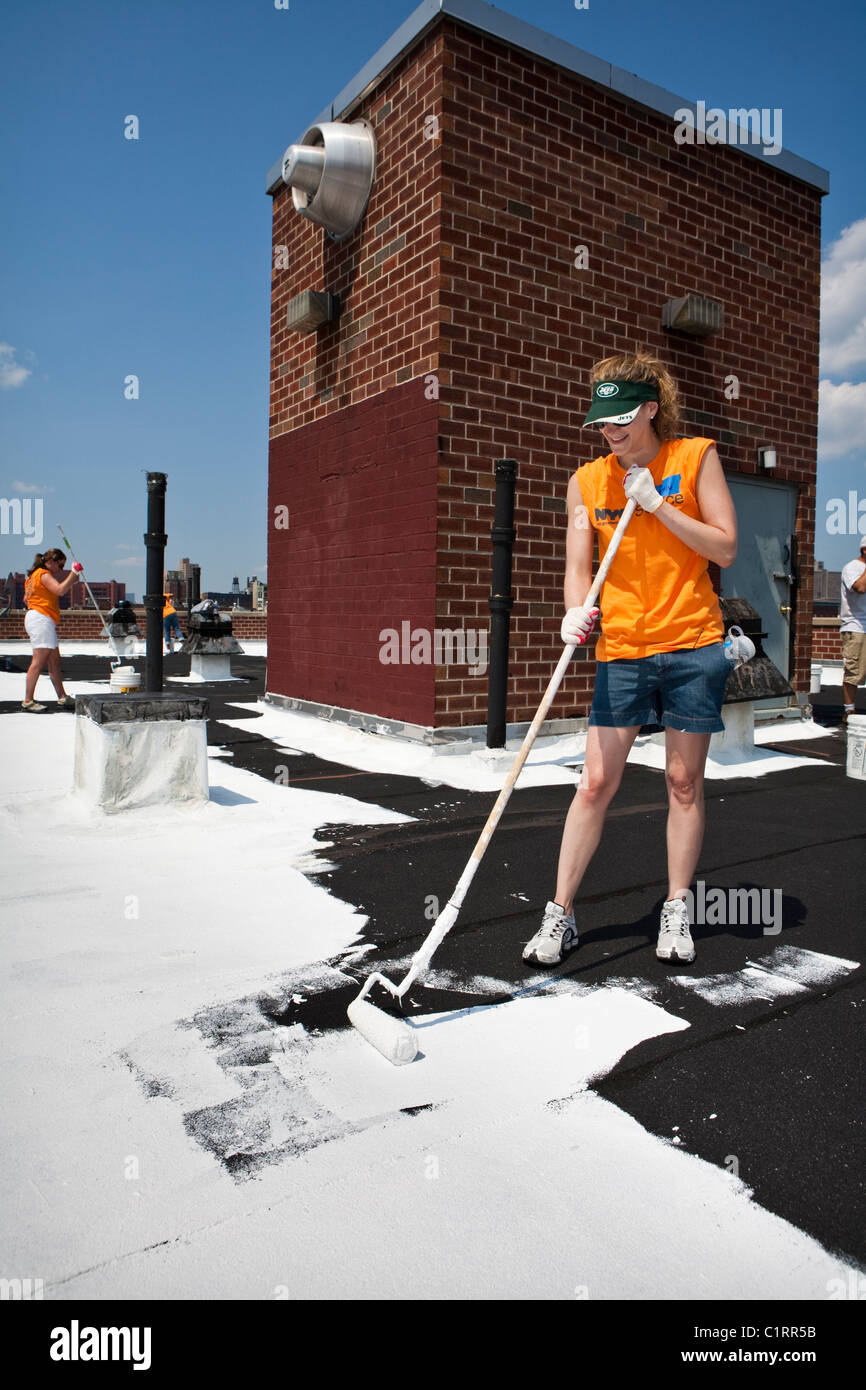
675	940
556	936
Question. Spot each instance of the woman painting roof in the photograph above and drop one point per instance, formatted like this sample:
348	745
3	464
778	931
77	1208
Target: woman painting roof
43	587
660	654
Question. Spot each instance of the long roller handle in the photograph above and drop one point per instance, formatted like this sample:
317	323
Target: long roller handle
448	916
105	626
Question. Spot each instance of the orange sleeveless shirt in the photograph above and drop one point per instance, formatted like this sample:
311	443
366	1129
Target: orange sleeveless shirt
38	598
658	596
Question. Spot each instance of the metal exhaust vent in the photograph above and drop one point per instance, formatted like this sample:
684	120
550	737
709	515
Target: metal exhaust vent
694	315
331	174
310	309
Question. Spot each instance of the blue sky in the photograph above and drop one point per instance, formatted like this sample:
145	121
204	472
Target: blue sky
152	257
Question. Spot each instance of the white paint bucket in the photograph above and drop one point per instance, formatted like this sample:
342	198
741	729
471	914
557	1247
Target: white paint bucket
856	764
125	680
815	678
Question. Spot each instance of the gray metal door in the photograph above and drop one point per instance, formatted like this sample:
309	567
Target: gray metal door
763	571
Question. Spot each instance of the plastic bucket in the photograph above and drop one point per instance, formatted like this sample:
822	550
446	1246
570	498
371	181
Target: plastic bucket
125	680
815	678
856	764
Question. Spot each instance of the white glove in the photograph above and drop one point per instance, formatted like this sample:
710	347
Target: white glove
577	625
639	487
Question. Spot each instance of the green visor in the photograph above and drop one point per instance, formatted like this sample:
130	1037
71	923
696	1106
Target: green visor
618	402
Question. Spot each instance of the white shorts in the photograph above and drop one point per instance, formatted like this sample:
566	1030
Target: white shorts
40	629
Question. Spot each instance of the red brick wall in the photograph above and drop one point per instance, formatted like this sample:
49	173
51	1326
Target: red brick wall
536	162
826	639
359	554
464	267
386	272
354	424
84	625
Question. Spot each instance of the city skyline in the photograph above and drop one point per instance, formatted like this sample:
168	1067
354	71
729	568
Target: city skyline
108	592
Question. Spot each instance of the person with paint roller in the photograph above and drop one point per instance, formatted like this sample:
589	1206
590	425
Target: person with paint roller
662	511
661	654
170	624
43	588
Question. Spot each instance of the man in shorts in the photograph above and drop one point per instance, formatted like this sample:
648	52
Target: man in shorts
852	611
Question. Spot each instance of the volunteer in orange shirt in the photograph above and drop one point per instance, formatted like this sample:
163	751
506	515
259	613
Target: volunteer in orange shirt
660	654
170	624
42	590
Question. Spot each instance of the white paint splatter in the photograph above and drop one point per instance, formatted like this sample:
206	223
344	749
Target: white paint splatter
788	970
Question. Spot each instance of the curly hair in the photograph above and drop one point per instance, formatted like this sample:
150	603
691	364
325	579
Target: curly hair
642	366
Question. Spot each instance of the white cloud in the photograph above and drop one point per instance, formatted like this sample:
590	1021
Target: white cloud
32	489
843	303
12	373
841	418
131	561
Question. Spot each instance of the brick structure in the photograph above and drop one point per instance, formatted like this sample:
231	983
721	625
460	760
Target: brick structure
826	639
84	625
467	331
107	592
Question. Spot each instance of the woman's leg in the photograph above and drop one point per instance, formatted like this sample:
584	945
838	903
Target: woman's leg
686	756
34	671
54	671
606	753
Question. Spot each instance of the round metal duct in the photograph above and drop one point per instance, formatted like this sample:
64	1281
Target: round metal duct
331	173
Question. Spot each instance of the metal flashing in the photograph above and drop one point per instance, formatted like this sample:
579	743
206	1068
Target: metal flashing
487	19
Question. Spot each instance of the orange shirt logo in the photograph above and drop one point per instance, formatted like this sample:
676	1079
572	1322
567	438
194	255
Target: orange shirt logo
658	596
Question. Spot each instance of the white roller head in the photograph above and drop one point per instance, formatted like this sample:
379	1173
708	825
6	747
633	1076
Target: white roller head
390	1036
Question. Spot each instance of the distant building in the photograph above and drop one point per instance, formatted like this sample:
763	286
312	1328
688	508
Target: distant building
231	600
107	593
15	590
258	592
173	584
828	585
184	584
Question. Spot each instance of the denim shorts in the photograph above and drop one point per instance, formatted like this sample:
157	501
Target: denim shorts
682	690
